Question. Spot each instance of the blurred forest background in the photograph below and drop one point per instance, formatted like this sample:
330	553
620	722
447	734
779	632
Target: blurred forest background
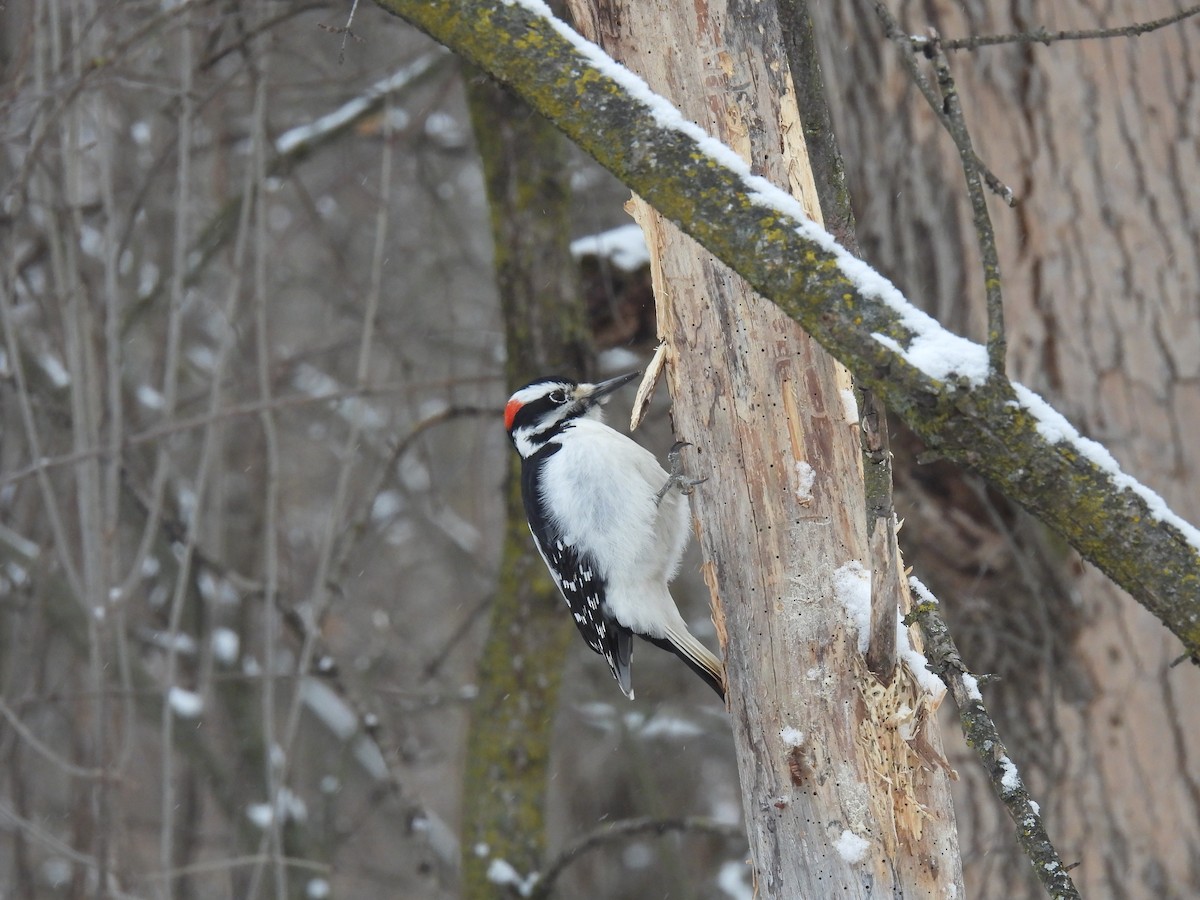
252	465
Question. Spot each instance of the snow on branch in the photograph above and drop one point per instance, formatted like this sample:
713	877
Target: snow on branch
938	382
303	137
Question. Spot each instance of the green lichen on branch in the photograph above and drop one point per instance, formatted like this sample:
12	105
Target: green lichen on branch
981	427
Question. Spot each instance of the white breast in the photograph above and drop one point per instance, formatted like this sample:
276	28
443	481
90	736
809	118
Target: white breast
601	487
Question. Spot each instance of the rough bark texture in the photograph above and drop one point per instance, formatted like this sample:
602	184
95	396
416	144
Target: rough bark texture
761	401
1102	279
887	579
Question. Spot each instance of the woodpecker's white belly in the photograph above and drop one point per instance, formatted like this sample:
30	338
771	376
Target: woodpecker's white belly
602	484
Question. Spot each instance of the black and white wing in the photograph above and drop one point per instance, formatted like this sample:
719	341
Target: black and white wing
582	586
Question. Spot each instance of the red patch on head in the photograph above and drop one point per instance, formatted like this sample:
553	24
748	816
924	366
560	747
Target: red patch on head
510	412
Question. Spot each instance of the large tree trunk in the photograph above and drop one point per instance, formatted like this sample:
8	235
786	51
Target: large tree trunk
835	801
508	752
1102	282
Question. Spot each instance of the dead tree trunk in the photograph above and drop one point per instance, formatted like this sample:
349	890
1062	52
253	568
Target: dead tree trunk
835	799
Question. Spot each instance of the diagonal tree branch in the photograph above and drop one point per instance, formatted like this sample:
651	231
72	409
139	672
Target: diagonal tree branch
543	885
937	382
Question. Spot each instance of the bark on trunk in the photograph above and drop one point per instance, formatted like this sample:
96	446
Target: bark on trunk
835	800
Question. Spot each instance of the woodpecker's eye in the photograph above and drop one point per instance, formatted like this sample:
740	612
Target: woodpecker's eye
558	397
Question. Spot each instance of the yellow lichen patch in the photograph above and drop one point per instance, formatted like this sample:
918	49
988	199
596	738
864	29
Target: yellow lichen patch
1192	639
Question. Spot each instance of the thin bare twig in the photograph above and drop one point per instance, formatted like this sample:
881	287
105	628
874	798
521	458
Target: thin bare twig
908	56
272	776
158	482
985	235
55	845
174	326
33	438
230	863
87	409
45	751
113	626
1047	37
347	33
246	38
439	656
621	831
982	735
204	471
231	411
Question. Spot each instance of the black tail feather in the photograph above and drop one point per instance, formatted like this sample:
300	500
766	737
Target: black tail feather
709	678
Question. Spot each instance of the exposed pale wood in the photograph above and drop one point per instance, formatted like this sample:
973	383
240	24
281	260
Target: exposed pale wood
760	400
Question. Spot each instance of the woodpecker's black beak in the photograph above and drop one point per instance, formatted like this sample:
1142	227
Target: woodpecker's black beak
589	395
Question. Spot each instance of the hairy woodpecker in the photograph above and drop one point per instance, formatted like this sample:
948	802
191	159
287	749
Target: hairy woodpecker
606	522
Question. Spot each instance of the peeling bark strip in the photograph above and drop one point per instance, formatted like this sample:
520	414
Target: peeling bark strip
982	426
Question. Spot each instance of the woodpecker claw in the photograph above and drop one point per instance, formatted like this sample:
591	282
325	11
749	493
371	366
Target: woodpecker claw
673	455
676	479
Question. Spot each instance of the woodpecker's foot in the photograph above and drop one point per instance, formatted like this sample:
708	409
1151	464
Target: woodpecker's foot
673	456
676	479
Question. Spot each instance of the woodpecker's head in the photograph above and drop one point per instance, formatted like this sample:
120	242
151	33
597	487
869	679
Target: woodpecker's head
541	409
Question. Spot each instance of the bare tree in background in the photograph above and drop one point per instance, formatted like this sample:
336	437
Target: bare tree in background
240	568
508	750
